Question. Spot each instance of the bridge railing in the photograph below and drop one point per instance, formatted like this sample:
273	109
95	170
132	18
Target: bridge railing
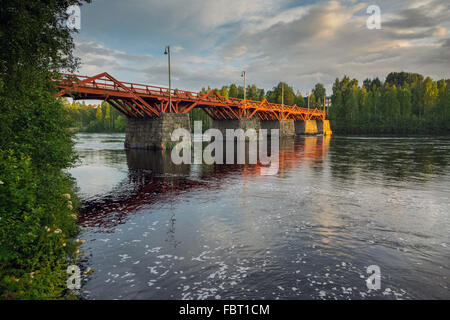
105	83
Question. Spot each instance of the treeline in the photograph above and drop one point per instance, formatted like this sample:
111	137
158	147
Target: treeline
405	103
38	207
281	93
95	118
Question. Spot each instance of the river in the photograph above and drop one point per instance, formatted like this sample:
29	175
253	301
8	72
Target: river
155	230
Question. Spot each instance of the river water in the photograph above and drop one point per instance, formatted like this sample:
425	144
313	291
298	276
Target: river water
155	230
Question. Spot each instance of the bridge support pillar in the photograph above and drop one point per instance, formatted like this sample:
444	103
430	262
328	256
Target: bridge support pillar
319	126
323	127
326	127
286	126
154	133
243	123
306	127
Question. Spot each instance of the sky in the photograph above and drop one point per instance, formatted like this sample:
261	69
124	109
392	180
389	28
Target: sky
299	42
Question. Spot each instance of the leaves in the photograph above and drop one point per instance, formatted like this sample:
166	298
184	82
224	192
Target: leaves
404	103
35	145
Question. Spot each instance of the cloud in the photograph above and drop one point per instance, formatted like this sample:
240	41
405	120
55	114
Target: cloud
273	41
177	49
411	18
97	57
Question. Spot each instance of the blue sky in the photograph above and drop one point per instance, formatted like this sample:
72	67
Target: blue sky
300	42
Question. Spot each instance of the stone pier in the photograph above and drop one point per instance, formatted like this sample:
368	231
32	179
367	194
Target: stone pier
243	123
323	127
306	127
319	126
154	133
326	128
286	127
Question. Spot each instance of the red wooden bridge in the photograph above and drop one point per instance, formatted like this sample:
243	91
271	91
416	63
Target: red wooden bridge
145	101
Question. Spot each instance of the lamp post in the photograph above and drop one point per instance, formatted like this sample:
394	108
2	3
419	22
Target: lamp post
308	100
167	51
243	74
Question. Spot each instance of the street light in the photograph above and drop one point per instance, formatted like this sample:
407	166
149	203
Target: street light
167	51
243	74
308	100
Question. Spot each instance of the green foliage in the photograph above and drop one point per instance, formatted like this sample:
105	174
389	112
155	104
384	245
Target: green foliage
319	93
282	90
92	118
36	220
257	94
404	103
37	224
199	115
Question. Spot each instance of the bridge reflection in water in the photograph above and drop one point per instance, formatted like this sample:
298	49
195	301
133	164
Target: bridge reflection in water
153	178
155	230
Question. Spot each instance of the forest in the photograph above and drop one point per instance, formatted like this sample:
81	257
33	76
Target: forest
404	103
94	118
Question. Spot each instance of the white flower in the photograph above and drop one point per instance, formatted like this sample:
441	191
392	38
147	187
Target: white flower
57	230
66	195
1	182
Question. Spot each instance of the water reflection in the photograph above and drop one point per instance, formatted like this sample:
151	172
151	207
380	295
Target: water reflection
154	178
337	205
419	161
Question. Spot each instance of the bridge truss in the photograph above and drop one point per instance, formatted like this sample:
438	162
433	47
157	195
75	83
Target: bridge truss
145	101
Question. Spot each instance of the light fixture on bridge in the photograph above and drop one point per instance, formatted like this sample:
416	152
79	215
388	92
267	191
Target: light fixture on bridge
243	74
167	51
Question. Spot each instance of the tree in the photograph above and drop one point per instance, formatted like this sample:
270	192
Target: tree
404	97
312	100
276	93
430	94
35	146
299	101
262	96
400	79
319	92
233	91
224	91
252	92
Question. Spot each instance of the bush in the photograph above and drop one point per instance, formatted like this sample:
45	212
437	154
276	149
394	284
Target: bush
37	220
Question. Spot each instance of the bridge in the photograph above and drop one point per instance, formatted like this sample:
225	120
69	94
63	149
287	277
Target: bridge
152	116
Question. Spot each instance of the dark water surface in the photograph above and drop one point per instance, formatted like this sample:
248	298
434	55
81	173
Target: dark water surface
154	230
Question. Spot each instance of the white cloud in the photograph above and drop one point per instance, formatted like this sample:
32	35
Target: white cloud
273	40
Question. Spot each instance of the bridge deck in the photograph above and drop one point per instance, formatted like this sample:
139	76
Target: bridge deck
146	101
